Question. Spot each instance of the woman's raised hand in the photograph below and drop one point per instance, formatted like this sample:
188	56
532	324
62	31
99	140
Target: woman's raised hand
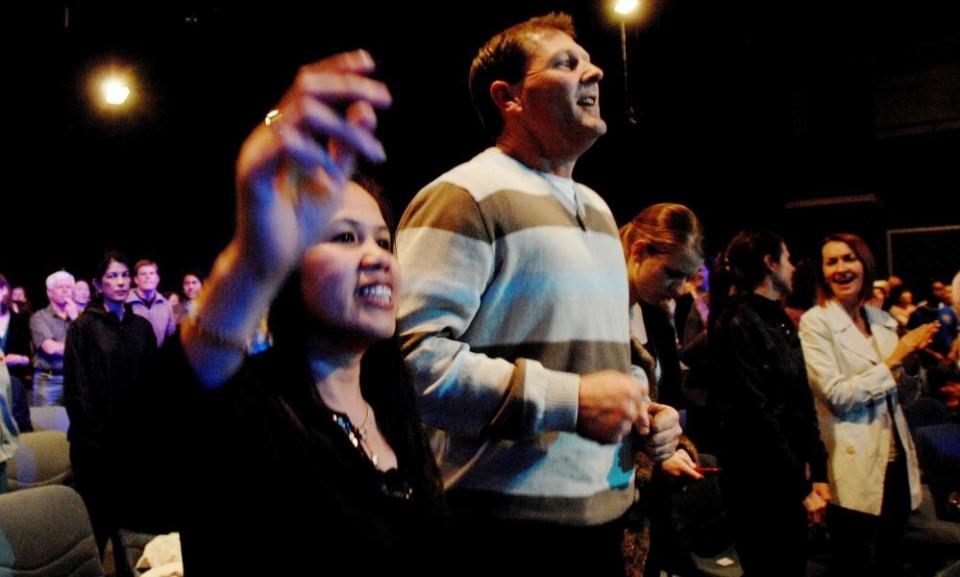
292	168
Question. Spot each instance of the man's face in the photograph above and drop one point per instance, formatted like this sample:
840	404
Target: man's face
147	278
191	286
559	98
939	290
61	292
81	292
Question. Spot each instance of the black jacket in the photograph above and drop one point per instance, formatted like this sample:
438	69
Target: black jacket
106	363
768	421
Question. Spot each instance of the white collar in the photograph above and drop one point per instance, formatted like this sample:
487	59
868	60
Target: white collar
638	329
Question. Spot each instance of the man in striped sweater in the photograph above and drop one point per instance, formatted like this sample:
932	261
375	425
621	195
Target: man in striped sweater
514	322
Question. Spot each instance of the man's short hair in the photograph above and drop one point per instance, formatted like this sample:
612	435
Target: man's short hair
60	275
144	262
504	57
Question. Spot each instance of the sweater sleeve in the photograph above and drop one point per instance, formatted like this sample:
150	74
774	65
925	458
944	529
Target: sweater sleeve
843	393
448	255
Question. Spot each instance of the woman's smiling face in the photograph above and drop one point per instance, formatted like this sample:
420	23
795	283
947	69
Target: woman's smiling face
843	272
350	277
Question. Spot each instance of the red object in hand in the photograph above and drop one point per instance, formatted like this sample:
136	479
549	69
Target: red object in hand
707	470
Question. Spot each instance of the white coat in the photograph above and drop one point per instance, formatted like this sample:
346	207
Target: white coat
850	384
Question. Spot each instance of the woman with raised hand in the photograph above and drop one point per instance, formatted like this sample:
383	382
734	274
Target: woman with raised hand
855	362
311	457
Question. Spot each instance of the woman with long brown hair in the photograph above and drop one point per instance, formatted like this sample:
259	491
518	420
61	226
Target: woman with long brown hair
855	361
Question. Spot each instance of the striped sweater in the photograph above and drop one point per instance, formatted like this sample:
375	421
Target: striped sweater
508	299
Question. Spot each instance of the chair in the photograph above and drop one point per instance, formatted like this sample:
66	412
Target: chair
45	532
134	543
50	418
42	459
931	542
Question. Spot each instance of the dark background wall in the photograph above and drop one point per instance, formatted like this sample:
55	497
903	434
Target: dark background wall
750	112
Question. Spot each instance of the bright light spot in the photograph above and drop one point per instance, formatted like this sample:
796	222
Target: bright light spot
115	91
625	6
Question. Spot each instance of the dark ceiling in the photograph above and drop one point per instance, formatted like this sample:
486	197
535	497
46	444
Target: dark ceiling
741	109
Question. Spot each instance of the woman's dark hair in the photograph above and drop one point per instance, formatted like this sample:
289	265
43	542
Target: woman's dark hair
863	254
897	293
741	267
108	257
373	187
804	293
193	272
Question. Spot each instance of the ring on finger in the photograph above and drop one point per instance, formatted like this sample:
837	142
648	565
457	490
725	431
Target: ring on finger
272	120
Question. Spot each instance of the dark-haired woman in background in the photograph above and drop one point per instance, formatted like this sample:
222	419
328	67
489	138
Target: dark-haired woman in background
109	354
769	429
16	349
855	361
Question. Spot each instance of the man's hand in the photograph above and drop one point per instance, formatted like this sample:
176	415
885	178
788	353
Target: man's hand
71	309
610	404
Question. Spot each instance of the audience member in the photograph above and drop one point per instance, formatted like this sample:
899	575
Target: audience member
327	415
149	303
109	356
663	249
192	283
855	362
48	327
514	322
81	294
774	463
16	349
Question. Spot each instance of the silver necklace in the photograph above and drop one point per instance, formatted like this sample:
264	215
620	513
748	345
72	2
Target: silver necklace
357	435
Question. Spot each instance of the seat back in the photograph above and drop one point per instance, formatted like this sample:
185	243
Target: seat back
44	532
53	418
42	459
